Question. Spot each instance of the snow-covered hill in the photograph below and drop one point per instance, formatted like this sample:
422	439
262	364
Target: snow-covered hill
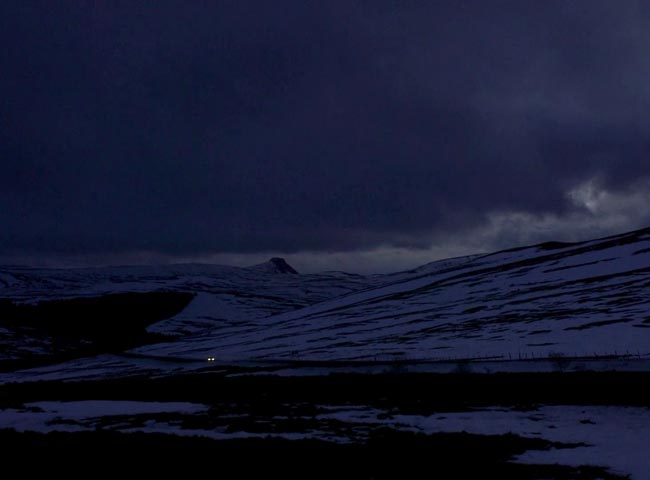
546	300
225	297
549	300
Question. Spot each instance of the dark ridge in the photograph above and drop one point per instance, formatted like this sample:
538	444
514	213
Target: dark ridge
83	326
282	266
555	245
599	324
569	267
599	243
96	318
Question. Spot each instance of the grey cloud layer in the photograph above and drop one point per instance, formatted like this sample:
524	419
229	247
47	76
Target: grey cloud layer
187	128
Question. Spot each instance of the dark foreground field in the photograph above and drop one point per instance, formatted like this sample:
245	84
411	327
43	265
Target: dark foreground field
406	391
315	444
387	454
61	329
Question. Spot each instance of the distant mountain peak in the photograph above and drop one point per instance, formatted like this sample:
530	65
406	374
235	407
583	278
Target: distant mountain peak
275	265
282	266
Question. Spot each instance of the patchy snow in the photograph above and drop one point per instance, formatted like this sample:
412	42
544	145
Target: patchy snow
127	417
614	437
76	415
94	408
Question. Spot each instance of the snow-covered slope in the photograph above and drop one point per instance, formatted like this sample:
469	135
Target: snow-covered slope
551	299
225	297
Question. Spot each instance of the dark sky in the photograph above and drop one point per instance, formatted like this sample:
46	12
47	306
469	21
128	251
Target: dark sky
366	135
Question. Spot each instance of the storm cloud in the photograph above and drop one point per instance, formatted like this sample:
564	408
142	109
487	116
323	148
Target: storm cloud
408	130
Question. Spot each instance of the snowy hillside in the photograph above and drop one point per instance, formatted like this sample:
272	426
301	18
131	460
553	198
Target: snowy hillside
223	296
547	300
550	300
